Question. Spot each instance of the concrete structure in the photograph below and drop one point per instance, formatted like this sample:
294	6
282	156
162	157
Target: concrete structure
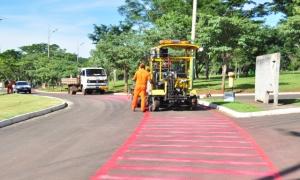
267	77
1	87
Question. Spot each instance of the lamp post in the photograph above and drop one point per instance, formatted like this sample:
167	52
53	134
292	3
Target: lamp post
77	56
194	20
193	34
50	32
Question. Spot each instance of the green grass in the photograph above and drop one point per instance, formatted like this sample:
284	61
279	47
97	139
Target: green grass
118	86
288	82
236	106
55	89
16	104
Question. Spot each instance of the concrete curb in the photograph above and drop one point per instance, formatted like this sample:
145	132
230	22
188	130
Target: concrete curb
249	114
24	117
251	94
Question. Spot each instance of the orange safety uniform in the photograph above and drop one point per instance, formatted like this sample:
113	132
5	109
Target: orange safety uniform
141	77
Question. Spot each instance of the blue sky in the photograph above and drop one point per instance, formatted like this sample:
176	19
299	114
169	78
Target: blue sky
27	21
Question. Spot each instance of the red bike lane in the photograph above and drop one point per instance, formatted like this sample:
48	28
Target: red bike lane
182	145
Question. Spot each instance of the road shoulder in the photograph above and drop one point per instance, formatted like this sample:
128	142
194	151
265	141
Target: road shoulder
26	116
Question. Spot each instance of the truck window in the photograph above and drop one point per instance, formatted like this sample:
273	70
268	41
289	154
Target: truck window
95	72
82	73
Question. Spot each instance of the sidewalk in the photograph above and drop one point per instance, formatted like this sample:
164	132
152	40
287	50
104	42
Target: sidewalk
285	105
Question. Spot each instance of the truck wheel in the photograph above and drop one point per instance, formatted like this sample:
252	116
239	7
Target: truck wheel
84	91
73	90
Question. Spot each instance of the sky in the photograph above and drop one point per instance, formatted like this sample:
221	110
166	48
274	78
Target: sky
26	22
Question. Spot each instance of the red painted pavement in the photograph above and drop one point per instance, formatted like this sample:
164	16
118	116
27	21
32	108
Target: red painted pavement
197	145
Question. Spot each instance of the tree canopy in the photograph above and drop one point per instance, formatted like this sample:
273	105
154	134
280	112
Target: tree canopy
229	31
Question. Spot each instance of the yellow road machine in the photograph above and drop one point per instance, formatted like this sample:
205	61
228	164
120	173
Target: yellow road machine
171	67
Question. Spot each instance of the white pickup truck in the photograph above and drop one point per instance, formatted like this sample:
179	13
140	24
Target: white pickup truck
90	79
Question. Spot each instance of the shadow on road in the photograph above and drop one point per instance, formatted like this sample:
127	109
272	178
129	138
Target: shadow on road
198	108
283	172
287	132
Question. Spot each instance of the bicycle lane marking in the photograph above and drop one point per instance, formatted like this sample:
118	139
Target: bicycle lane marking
131	160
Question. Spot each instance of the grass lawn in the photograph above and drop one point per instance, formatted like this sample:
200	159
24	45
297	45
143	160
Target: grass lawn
118	86
16	104
55	89
236	106
288	82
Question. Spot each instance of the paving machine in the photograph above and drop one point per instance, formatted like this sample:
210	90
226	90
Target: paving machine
171	67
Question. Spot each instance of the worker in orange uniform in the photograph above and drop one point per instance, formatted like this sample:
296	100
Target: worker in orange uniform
141	77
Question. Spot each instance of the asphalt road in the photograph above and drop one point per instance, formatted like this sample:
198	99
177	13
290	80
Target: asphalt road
75	142
69	144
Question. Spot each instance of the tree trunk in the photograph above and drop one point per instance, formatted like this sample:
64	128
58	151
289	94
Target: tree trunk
197	71
207	69
126	79
224	69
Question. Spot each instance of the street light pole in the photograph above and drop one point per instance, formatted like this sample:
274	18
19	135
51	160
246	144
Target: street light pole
78	46
50	32
194	20
193	34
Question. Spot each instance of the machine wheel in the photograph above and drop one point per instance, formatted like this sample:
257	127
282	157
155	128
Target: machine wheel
193	103
84	91
154	104
29	91
102	91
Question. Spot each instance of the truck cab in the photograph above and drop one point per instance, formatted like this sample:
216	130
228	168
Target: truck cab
93	79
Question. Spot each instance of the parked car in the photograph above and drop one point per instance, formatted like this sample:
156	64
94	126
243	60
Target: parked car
22	86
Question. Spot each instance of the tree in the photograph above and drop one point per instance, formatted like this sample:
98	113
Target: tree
223	35
102	31
289	30
9	64
123	51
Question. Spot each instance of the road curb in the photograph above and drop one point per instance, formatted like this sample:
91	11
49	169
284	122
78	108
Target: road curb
24	117
250	94
249	114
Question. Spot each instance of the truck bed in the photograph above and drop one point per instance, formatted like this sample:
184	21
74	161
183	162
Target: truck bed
70	81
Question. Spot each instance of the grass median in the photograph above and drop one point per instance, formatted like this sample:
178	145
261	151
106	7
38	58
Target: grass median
16	104
236	105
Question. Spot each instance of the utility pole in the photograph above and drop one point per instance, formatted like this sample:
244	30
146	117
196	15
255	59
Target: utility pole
77	56
50	32
193	34
194	20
